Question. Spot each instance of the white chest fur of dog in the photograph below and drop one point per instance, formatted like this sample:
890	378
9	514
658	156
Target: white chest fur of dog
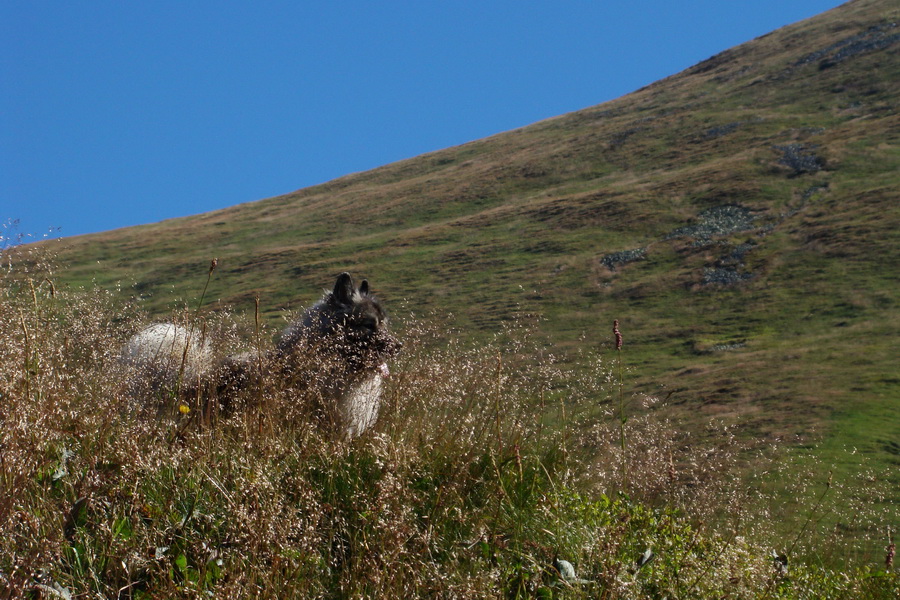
359	405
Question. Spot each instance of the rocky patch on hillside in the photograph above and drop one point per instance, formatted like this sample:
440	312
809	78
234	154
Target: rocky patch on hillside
729	268
721	130
713	226
724	276
716	222
618	259
800	158
877	37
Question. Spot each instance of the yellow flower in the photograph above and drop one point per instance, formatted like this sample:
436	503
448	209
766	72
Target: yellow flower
184	409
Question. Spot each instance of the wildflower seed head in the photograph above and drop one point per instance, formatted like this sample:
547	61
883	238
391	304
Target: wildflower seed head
617	334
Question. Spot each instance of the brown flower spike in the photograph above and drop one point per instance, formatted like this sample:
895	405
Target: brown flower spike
617	334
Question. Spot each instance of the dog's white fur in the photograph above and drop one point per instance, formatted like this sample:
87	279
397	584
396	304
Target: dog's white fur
359	405
163	351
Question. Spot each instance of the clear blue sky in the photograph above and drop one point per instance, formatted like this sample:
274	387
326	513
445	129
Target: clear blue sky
117	113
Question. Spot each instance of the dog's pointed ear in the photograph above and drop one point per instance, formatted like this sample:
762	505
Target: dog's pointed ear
364	287
343	289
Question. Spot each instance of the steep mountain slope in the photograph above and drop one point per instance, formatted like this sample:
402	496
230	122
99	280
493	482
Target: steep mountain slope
739	218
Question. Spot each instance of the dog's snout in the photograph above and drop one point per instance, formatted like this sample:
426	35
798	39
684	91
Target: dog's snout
389	345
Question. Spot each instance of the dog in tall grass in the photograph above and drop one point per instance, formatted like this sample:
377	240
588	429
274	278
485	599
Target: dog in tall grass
334	357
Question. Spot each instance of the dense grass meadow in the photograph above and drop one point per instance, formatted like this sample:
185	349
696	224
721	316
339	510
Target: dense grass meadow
491	462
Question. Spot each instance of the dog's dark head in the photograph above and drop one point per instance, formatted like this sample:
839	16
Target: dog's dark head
350	321
357	316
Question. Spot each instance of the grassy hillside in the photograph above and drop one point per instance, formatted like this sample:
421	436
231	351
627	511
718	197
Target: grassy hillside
490	463
739	219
